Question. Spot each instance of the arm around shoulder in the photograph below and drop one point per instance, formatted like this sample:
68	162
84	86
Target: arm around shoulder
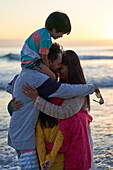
68	91
67	109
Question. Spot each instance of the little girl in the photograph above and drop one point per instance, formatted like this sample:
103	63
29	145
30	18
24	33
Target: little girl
70	136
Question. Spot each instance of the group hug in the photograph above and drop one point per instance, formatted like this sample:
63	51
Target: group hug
50	106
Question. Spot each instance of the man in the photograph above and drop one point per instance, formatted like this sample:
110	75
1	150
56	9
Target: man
21	134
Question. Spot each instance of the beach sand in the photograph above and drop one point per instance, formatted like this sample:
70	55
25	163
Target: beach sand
102	132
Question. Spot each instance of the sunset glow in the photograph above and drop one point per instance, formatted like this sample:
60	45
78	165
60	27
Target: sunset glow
91	20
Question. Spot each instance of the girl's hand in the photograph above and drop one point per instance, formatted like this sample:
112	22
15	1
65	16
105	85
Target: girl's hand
30	92
43	167
16	105
47	164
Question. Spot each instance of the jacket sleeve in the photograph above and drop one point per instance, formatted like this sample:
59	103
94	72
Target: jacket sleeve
56	146
40	144
51	88
9	87
66	110
68	91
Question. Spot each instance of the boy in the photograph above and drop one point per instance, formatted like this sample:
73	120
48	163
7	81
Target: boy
34	54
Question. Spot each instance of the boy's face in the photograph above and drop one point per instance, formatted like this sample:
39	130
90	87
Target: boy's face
56	35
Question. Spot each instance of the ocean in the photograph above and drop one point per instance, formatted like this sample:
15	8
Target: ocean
97	63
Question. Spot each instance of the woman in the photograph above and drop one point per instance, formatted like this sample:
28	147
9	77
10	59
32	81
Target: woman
71	72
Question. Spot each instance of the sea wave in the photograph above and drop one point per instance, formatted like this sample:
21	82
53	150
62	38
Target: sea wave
88	57
3	86
12	56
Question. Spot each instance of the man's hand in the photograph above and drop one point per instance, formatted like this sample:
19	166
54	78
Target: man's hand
96	89
98	95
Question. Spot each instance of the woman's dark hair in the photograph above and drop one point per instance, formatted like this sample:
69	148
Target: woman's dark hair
54	50
60	21
47	121
75	71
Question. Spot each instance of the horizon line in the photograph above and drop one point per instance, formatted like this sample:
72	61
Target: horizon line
87	42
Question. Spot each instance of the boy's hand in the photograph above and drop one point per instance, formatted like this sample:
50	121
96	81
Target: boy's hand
30	92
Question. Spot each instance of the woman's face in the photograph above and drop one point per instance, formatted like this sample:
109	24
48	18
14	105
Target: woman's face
63	71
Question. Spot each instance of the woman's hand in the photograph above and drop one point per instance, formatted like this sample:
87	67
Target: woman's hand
16	105
30	92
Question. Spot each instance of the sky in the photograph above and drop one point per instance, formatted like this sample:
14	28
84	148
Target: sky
92	20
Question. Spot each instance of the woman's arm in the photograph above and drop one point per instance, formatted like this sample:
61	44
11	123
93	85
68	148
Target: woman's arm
66	110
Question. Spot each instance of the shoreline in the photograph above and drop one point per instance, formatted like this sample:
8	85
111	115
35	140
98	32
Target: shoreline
101	127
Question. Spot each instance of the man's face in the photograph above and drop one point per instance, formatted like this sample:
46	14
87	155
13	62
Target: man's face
55	65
